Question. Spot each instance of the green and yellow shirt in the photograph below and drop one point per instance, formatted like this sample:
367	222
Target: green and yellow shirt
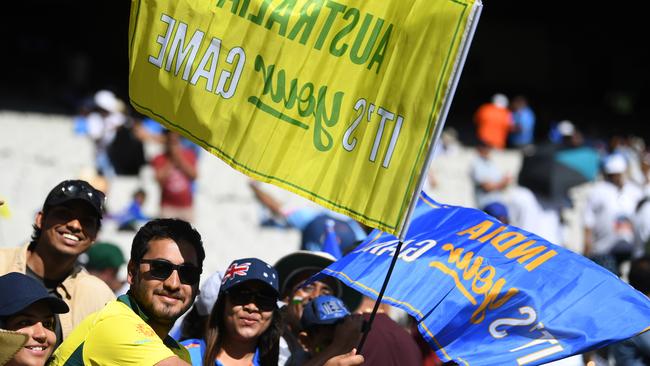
116	335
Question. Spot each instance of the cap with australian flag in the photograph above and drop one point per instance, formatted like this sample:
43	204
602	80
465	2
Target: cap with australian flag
249	269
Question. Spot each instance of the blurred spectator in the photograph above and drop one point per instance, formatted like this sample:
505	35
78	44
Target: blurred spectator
312	222
429	357
489	181
30	310
494	122
526	211
175	172
562	133
636	350
497	210
132	217
194	323
610	206
105	261
103	123
644	166
524	122
126	150
389	344
80	120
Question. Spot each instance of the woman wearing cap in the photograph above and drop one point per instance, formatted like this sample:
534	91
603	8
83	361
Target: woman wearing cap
244	326
29	310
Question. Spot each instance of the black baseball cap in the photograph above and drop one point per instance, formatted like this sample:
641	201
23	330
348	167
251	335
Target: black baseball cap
76	189
22	291
293	264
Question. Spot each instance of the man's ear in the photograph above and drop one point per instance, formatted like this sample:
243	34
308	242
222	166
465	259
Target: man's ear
131	271
38	221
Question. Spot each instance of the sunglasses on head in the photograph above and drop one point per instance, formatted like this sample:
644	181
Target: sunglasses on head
242	296
161	269
74	189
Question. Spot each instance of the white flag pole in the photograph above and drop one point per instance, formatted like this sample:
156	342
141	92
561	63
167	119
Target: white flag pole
455	77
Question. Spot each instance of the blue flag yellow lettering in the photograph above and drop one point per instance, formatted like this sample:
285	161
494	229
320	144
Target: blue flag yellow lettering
485	293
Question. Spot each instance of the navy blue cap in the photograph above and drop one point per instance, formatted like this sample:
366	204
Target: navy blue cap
250	269
323	310
21	291
496	209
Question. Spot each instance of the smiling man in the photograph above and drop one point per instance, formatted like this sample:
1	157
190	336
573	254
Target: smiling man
65	228
163	273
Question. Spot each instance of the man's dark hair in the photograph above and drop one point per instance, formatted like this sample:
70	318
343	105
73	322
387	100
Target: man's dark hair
175	229
639	275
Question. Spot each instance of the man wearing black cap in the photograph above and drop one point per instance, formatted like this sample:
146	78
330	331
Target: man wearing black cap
64	229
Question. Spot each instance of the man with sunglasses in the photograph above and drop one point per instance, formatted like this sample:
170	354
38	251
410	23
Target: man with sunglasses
163	273
66	227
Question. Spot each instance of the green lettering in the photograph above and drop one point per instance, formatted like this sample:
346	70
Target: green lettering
339	51
267	73
281	15
335	8
306	98
354	54
244	8
233	8
322	118
259	17
307	21
380	52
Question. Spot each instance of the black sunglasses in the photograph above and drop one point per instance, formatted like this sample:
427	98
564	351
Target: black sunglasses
243	296
161	269
78	189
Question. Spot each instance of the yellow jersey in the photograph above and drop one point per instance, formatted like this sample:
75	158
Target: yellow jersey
116	335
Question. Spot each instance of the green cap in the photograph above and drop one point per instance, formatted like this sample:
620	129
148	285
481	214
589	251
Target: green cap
104	255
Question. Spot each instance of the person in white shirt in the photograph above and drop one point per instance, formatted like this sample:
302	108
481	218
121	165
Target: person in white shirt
608	215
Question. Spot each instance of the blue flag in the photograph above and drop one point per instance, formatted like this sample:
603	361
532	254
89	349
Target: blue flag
485	293
331	243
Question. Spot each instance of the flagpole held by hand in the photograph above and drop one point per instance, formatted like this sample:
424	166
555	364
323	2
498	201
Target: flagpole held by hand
368	324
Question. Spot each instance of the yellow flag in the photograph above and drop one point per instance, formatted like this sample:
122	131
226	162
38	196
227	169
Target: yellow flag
337	101
4	209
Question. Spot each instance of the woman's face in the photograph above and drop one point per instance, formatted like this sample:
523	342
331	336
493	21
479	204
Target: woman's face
37	321
248	311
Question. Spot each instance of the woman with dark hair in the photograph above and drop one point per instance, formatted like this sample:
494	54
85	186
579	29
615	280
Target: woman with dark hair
28	308
245	325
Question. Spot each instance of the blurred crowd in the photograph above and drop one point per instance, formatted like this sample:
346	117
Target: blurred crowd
614	173
72	307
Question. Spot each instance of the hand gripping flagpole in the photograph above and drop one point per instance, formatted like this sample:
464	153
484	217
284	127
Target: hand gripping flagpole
458	66
368	324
